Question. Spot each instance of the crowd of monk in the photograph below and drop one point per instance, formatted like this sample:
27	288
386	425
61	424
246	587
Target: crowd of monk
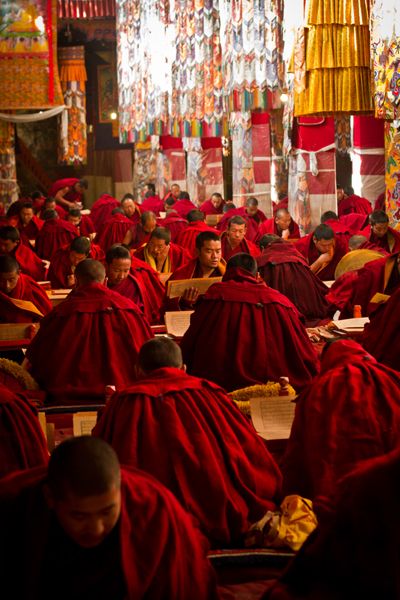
195	473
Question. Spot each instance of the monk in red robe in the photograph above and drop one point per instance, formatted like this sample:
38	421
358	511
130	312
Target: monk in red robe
174	223
54	234
380	335
29	262
234	239
184	205
252	215
382	235
349	202
213	206
22	443
86	527
131	208
139	234
283	268
136	281
83	223
244	333
322	249
331	219
87	342
114	230
187	238
102	209
50	204
22	300
68	192
224	476
63	264
161	254
27	223
282	225
152	202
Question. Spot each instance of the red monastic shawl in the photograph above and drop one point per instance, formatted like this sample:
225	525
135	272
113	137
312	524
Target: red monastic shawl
54	234
306	246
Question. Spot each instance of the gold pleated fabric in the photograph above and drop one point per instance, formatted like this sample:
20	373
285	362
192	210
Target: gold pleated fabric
337	59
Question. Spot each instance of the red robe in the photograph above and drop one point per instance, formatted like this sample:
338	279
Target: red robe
208	208
269	226
153	204
178	256
83	344
349	413
380	335
174	223
307	248
54	234
187	237
284	203
191	270
244	246
380	202
129	288
244	333
389	242
23	445
28	290
30	231
113	231
283	268
62	213
86	226
72	195
139	236
354	204
29	262
355	223
60	266
253	223
183	207
152	289
161	553
101	210
223	475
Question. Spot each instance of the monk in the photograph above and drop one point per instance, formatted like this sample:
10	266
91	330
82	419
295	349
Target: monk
244	333
208	263
54	234
28	224
151	202
213	206
349	202
187	238
234	239
183	206
69	192
89	341
84	527
114	230
322	249
252	215
282	225
283	268
331	219
22	443
63	264
130	208
382	235
83	223
22	300
102	209
50	204
174	223
139	234
134	280
173	192
161	254
380	335
224	475
29	262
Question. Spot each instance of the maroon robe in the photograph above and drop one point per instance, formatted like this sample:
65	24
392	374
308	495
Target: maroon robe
208	208
253	223
29	262
178	256
87	342
71	195
86	226
244	246
183	207
307	248
174	223
151	288
22	443
54	234
269	226
380	335
153	204
283	268
139	236
101	210
28	290
191	270
355	223
284	203
223	475
380	202
129	288
30	231
389	242
187	238
157	547
244	333
354	204
340	228
60	266
113	231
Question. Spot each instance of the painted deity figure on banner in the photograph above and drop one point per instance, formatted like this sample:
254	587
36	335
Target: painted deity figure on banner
22	27
302	208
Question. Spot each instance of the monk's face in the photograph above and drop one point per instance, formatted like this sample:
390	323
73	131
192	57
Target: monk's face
236	234
175	190
118	270
129	207
50	205
210	254
75	258
158	248
380	229
8	281
324	246
252	210
216	201
26	215
7	246
88	521
339	194
74	220
283	221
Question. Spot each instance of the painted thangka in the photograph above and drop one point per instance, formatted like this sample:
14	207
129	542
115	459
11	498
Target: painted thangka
242	158
392	174
145	165
8	172
72	148
204	170
28	55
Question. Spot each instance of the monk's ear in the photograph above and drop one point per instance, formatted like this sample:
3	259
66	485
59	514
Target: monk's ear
183	368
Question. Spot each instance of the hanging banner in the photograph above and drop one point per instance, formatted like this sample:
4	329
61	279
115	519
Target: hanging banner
368	157
8	172
392	175
242	158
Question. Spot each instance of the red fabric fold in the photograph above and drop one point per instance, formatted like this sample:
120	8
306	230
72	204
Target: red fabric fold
26	289
307	248
113	231
102	209
187	237
54	234
381	335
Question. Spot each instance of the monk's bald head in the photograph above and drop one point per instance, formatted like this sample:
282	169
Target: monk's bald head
9	273
8	264
242	261
356	241
267	239
90	271
158	353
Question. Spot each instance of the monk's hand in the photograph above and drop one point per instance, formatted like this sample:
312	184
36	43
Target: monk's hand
325	257
190	295
285	234
71	280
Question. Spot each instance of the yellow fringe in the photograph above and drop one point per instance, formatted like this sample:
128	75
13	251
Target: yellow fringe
242	397
345	12
73	70
333	46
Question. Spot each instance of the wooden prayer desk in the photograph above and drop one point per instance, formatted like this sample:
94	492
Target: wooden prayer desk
16	336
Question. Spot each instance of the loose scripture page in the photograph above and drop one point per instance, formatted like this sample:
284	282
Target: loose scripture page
177	322
83	422
273	417
176	287
356	324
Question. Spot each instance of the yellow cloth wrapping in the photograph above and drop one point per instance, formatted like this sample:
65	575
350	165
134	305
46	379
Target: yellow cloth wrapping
72	70
333	46
242	397
346	12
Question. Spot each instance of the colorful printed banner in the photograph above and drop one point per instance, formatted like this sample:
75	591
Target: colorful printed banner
392	175
8	172
242	158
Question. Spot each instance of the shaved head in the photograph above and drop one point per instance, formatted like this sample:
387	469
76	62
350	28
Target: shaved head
8	264
90	271
242	261
356	241
159	352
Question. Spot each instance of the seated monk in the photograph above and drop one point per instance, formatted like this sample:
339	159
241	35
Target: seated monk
69	192
161	254
114	230
382	235
224	475
102	209
54	234
380	335
187	238
244	333
88	341
133	282
352	553
213	206
22	300
281	225
173	192
350	412
234	240
349	202
184	205
139	234
283	268
151	201
86	527
173	222
131	208
63	264
331	219
29	262
28	224
252	215
50	204
322	249
22	442
83	223
209	263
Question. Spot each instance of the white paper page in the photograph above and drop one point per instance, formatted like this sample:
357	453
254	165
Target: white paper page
273	417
